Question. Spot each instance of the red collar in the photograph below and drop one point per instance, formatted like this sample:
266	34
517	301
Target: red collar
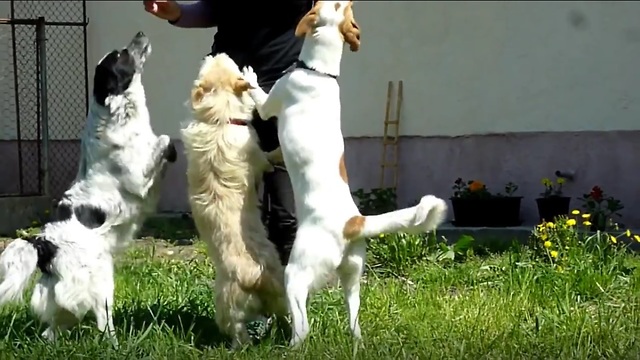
238	122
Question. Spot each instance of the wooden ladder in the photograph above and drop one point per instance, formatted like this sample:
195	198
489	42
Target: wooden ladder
391	139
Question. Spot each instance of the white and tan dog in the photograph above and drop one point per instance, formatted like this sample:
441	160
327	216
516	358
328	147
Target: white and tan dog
224	166
331	231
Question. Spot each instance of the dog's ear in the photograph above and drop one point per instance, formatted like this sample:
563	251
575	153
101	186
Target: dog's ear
113	76
197	93
350	29
240	85
308	21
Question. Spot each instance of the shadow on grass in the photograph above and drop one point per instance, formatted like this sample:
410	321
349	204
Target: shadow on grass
173	228
495	246
198	329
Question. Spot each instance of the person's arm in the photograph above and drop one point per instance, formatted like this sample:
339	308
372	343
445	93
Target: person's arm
197	15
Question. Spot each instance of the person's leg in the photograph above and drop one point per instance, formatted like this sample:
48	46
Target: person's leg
278	204
278	211
282	224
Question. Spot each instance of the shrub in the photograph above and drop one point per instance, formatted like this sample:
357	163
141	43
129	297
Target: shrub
398	253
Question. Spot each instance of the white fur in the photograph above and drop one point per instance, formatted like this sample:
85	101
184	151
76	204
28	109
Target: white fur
307	104
121	163
224	166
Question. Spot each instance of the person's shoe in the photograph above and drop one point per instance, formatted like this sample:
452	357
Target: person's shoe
258	329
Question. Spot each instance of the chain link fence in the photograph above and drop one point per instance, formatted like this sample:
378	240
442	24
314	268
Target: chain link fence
44	103
20	124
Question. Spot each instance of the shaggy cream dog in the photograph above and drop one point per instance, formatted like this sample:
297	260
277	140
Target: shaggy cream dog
224	166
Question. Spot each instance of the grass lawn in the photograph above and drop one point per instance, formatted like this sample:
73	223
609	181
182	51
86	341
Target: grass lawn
507	306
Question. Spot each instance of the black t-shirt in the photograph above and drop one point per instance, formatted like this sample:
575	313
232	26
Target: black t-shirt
260	34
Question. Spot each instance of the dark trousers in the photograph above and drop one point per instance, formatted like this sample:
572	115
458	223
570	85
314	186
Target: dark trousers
278	206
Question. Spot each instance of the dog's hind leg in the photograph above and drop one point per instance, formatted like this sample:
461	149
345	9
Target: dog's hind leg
350	271
230	315
44	305
102	306
298	282
60	322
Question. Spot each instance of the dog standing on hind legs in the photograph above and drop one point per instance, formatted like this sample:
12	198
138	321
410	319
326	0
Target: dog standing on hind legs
224	165
117	186
331	232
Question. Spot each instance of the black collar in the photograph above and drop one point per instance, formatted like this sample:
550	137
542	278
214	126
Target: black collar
302	65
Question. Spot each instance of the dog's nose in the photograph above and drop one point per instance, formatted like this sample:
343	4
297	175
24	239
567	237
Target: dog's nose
140	34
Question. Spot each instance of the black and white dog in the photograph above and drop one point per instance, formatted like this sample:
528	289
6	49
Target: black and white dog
116	188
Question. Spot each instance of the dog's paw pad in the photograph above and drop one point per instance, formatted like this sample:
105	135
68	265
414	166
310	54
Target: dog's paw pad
171	154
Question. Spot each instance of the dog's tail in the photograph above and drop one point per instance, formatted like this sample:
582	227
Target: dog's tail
424	217
18	261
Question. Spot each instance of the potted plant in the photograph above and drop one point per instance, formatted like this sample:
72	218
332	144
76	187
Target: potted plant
474	205
601	207
551	203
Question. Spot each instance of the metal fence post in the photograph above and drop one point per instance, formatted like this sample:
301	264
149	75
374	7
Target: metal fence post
41	40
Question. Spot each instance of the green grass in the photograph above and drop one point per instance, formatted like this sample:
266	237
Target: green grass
493	307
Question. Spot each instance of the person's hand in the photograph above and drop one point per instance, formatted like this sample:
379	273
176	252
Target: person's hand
164	9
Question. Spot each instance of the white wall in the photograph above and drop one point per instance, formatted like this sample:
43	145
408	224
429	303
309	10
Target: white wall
480	67
468	67
174	62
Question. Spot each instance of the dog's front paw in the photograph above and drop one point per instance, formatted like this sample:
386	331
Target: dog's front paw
163	141
170	153
167	148
250	76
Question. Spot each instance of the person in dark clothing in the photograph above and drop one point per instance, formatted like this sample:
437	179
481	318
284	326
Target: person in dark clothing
259	34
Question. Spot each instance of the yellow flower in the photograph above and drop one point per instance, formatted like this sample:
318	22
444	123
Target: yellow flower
628	233
551	225
546	182
613	239
636	238
547	244
381	236
571	222
543	237
554	254
587	223
576	212
560	180
586	216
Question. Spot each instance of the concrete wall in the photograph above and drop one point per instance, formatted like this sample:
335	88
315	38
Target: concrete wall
468	68
558	82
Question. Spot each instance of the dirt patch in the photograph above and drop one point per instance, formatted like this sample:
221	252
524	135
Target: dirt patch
158	248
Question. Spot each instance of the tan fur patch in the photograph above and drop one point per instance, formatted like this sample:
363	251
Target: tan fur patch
342	168
308	21
240	86
218	78
349	28
197	93
353	227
